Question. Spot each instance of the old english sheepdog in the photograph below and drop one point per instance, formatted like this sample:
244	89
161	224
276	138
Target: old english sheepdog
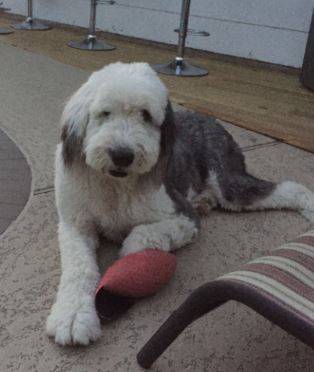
128	167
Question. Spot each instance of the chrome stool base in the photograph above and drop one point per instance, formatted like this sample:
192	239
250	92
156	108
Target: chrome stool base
31	25
91	43
180	67
5	31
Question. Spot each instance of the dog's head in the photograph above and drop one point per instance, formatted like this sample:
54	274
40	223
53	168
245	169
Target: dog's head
119	122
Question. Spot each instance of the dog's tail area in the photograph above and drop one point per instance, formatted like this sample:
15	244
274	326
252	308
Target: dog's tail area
288	195
246	192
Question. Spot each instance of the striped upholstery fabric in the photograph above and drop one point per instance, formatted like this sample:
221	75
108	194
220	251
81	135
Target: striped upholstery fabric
279	286
286	275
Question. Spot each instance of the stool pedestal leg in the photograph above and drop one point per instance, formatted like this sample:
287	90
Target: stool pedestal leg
179	66
91	42
30	24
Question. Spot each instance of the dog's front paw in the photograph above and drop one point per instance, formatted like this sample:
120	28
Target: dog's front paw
143	237
71	326
126	250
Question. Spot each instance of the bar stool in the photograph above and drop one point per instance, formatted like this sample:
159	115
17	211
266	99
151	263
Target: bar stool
4	30
91	42
30	24
179	66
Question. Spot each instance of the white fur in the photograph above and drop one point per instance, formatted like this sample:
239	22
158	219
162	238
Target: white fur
214	185
165	235
286	195
289	195
73	318
135	208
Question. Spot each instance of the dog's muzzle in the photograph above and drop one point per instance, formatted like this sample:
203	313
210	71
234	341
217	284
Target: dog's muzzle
122	158
118	173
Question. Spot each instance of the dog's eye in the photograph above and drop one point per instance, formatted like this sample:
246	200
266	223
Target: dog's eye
147	116
104	114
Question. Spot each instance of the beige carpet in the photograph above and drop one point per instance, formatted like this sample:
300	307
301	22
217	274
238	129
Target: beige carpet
233	338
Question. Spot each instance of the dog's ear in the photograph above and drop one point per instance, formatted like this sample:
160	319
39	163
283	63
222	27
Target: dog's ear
74	121
72	145
168	131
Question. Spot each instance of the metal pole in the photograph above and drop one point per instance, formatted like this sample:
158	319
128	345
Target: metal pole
30	23
30	9
92	19
184	21
179	66
91	42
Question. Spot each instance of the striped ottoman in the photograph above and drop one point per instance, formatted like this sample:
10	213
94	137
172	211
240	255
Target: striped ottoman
279	286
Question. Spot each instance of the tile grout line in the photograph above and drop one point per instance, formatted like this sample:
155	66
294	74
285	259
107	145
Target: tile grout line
45	190
260	146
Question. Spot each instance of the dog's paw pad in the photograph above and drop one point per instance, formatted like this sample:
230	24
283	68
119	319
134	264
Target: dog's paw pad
78	328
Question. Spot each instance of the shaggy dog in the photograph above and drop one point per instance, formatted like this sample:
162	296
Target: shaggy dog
130	168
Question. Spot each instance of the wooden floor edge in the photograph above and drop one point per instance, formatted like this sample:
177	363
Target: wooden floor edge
227	118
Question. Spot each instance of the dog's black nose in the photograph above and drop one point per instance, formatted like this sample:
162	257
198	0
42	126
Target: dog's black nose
122	157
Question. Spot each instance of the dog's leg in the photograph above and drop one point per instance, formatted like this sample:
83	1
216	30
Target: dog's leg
245	192
165	235
73	318
204	202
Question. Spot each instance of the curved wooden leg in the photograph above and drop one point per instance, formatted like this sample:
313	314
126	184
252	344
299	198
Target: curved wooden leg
201	301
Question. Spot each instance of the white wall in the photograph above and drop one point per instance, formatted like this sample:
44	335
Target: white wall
267	30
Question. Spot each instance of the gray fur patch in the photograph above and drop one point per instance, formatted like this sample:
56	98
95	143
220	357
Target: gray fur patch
168	132
71	146
203	146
